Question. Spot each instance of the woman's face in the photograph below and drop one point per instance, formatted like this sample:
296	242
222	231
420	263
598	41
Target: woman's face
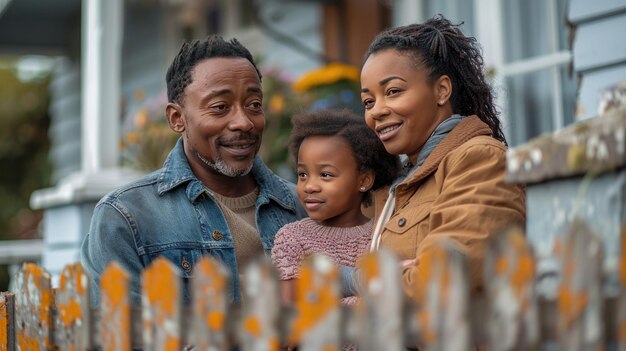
401	105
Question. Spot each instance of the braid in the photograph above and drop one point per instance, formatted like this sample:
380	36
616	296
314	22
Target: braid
179	73
443	49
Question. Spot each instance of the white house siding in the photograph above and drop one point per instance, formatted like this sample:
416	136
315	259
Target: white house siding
599	49
143	55
65	122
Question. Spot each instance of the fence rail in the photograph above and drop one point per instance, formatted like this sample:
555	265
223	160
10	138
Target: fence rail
443	315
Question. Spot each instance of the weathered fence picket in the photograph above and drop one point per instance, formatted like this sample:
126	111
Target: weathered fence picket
259	329
378	314
579	298
161	307
115	318
317	322
211	303
442	316
33	308
442	295
73	323
7	323
513	314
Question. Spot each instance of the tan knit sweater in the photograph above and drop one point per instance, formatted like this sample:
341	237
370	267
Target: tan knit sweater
240	215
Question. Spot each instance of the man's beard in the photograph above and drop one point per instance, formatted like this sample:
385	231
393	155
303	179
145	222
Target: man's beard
221	167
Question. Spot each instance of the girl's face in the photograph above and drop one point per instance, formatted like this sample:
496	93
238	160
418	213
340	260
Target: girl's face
330	186
401	105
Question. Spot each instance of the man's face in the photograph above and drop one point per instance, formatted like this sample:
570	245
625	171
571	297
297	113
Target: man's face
222	116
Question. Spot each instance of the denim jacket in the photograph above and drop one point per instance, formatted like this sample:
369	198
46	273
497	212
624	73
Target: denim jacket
170	213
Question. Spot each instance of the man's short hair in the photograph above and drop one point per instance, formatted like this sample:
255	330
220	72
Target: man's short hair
179	73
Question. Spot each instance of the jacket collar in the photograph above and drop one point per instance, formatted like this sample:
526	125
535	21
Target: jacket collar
176	171
467	129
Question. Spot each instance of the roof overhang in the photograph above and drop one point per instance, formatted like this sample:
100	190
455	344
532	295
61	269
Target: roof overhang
39	27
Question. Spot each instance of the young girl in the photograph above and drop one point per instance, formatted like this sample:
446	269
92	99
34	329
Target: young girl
339	162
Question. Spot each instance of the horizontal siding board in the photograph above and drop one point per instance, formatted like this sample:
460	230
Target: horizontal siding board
600	44
592	84
65	125
585	10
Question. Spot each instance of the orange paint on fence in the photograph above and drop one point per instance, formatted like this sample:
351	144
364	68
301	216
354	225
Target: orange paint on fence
113	283
370	266
215	320
159	285
252	326
4	324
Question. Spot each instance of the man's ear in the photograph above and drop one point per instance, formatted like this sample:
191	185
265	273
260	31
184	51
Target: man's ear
366	180
443	90
175	119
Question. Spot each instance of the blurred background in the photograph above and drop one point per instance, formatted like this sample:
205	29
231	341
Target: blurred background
82	89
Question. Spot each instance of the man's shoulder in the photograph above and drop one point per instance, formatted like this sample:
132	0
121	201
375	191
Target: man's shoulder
144	185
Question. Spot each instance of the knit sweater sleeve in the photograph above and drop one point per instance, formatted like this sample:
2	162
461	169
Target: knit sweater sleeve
288	253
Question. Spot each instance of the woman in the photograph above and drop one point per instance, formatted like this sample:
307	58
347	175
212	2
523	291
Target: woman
426	97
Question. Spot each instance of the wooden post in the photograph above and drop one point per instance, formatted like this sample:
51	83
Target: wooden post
317	323
579	297
211	304
161	306
509	279
33	308
7	322
379	311
442	297
115	324
73	318
259	327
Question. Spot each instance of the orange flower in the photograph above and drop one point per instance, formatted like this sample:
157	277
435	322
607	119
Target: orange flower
142	118
277	103
329	74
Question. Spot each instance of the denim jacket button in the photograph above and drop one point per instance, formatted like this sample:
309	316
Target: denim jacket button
185	264
217	235
401	222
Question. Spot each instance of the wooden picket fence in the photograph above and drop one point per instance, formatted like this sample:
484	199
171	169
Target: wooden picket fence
443	315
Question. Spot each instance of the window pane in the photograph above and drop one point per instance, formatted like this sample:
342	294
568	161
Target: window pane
529	101
455	10
568	86
528	25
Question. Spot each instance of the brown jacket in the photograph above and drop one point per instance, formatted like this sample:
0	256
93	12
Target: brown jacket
459	193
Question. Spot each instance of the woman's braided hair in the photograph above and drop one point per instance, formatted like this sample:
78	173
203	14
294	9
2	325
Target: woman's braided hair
441	47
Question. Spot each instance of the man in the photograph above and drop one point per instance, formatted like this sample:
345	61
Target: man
213	195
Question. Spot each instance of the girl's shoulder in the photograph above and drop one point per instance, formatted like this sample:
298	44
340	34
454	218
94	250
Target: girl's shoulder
297	228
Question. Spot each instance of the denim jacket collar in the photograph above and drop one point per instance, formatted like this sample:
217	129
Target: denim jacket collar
176	171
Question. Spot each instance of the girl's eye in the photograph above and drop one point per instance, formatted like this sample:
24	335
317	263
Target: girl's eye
301	175
326	175
369	103
256	105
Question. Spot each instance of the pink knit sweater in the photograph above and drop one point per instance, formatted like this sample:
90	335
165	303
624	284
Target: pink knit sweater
296	240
